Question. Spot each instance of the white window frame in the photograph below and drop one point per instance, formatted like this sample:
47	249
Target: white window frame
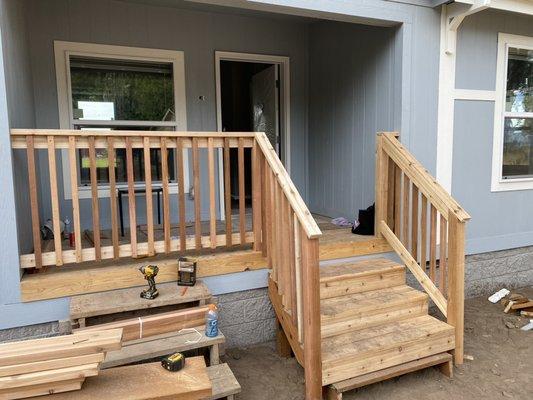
63	50
498	184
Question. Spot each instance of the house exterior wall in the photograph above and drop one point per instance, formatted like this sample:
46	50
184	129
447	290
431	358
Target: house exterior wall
500	220
199	34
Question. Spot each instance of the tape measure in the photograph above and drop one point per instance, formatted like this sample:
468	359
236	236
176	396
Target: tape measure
174	362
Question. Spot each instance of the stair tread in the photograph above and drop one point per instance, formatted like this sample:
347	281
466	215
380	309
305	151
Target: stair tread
360	303
357	268
370	341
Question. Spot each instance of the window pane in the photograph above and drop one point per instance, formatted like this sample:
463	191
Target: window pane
519	81
104	89
518	148
120	162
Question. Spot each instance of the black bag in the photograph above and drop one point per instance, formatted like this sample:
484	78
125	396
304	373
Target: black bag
366	222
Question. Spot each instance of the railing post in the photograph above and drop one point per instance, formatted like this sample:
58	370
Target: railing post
311	318
382	184
456	282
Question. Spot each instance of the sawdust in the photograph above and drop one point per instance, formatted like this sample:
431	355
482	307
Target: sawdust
502	366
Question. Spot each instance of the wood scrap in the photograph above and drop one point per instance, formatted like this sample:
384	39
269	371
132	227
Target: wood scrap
527	313
141	327
53	365
522	305
508	307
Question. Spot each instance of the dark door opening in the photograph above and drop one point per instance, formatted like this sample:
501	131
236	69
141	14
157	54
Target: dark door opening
249	103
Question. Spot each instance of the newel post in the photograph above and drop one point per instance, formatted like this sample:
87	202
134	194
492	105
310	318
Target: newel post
456	283
382	184
311	318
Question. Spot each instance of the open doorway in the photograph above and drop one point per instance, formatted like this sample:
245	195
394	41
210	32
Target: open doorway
251	98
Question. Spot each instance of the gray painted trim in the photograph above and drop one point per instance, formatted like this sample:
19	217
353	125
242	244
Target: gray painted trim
499	242
22	314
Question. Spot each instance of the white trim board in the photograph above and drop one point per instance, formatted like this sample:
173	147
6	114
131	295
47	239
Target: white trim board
499	184
63	50
285	106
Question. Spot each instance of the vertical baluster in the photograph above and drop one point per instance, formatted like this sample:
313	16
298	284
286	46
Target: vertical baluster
181	194
279	240
264	206
212	205
227	192
274	236
442	254
285	250
54	199
197	204
423	232
414	223
166	200
149	198
94	198
113	195
290	261
34	201
268	212
242	194
406	210
397	201
391	192
131	197
298	275
433	244
75	196
256	197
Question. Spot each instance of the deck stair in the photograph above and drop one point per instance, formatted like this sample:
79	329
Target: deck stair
372	321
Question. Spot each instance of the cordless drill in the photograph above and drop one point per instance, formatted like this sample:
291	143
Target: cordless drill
149	272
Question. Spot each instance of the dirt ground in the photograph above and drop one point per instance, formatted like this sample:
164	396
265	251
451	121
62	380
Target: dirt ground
502	365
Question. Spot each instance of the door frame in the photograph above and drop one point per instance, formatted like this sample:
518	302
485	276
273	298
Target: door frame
284	106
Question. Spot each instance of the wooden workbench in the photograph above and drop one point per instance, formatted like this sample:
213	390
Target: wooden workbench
144	382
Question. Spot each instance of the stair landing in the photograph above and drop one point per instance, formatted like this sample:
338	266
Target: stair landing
372	321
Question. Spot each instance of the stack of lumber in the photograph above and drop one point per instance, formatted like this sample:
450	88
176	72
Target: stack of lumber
517	302
52	365
143	327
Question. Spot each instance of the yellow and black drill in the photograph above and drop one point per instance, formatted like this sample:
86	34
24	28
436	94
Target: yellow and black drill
149	272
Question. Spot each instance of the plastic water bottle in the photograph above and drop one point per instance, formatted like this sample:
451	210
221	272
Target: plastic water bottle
211	321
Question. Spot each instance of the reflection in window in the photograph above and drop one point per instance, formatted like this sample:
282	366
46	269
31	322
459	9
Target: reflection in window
518	116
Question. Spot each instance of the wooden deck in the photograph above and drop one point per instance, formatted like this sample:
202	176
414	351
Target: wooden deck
336	242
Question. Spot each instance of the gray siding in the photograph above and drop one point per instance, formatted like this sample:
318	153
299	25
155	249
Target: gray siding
351	97
500	220
196	33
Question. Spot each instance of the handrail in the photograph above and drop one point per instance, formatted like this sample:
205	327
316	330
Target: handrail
409	202
444	202
300	208
89	132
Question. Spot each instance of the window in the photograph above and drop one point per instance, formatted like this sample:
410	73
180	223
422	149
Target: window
513	132
119	88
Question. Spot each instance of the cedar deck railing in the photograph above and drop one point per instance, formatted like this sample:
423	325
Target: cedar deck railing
282	226
422	223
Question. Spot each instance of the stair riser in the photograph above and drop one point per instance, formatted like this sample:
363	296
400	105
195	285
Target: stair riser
343	324
360	284
345	368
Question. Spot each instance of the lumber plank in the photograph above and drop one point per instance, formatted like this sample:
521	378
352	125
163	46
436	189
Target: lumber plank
73	281
148	195
75	196
59	347
111	157
181	193
95	207
212	197
34	201
166	199
17	369
131	197
197	203
54	198
141	327
43	389
433	244
146	382
157	346
392	372
122	300
520	306
256	197
48	376
223	381
242	193
227	192
417	271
